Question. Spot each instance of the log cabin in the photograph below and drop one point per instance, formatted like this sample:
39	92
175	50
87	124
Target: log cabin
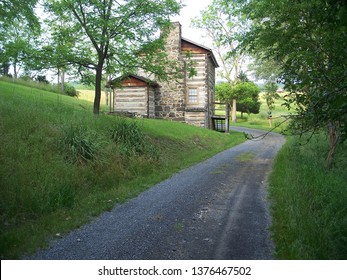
189	100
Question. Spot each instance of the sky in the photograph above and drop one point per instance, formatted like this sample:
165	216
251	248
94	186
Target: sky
191	10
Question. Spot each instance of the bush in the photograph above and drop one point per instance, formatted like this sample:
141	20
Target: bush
42	79
70	90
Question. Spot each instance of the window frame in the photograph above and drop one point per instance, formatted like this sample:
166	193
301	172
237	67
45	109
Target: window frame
188	95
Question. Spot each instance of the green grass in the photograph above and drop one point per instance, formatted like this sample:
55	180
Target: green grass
32	84
61	165
260	121
309	203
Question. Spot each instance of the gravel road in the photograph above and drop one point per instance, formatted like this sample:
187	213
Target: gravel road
214	210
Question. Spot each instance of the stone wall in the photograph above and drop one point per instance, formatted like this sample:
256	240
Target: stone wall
170	99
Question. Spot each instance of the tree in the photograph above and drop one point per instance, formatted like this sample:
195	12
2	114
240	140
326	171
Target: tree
308	40
18	27
222	26
247	95
115	36
11	9
17	45
271	94
223	92
265	69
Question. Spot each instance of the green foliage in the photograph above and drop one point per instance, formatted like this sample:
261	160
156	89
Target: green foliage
18	28
247	96
307	39
271	94
111	37
308	202
70	90
264	68
17	9
224	92
242	77
42	79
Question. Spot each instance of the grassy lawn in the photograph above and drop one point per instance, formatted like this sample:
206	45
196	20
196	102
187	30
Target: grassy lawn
61	165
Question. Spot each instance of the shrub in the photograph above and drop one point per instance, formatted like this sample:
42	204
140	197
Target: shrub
42	79
70	90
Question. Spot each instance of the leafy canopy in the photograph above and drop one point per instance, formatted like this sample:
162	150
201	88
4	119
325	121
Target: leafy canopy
246	94
114	36
308	40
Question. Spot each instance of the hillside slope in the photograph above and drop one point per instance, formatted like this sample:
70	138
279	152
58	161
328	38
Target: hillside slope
60	165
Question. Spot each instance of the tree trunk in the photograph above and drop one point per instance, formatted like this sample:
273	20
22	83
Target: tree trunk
15	70
333	140
233	112
97	97
62	80
5	68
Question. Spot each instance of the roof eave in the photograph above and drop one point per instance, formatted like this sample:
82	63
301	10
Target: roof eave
210	51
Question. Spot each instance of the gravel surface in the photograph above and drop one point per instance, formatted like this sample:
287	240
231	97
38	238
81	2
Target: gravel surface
214	210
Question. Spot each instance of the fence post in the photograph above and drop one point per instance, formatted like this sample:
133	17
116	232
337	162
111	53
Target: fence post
227	117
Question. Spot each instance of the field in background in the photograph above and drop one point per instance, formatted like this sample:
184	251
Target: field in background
260	121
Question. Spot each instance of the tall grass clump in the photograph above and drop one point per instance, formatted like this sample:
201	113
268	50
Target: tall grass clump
79	144
309	202
132	139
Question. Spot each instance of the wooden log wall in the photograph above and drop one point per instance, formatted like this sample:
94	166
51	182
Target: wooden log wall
198	81
196	113
131	99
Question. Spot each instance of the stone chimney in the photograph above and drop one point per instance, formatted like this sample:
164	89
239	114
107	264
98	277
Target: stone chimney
173	41
170	102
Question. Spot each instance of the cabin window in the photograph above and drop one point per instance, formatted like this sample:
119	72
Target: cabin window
192	95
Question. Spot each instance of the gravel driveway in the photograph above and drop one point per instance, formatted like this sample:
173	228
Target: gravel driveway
214	210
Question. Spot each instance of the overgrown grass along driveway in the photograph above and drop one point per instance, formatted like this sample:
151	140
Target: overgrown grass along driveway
308	202
61	165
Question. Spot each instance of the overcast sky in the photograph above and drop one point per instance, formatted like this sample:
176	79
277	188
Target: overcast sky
191	10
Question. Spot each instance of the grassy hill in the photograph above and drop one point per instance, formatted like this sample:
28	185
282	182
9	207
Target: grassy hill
61	165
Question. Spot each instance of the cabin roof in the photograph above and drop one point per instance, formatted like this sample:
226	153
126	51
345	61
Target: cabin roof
131	80
204	48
